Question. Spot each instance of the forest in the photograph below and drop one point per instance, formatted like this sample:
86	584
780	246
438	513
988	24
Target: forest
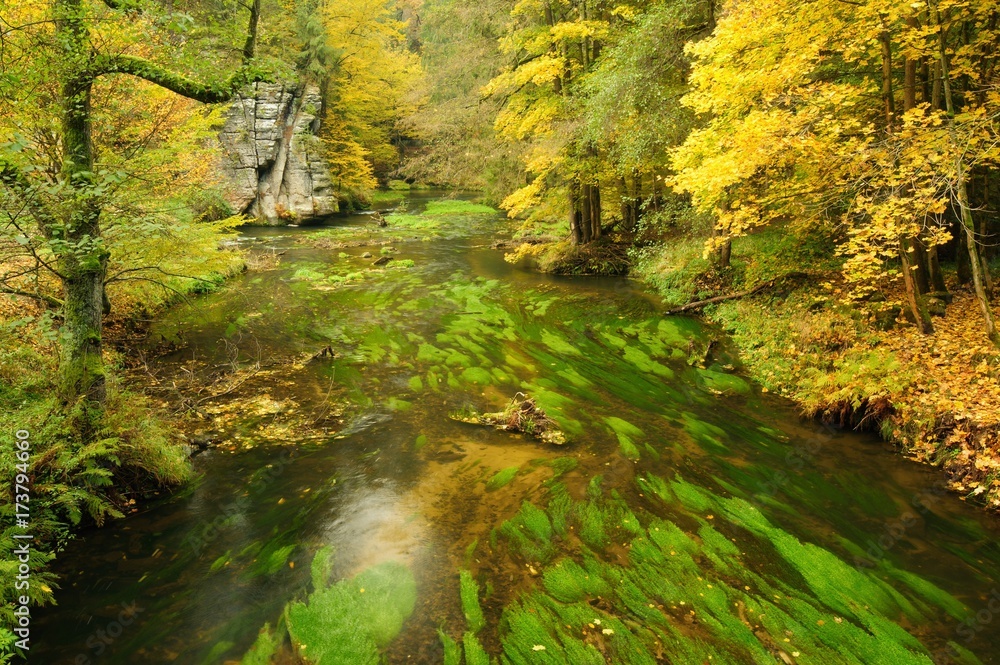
499	332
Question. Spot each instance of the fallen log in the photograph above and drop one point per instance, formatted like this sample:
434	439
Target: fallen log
698	304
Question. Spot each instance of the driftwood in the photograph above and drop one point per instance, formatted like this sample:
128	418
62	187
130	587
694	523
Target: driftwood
698	304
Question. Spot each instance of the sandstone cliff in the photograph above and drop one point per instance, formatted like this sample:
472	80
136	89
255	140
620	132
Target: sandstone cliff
275	170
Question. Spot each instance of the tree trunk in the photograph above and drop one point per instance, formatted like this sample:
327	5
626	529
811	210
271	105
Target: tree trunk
83	264
888	99
595	211
976	265
250	46
919	260
910	75
920	314
586	229
963	271
968	223
934	270
575	217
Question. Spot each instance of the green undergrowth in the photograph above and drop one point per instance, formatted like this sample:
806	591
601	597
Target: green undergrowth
695	578
75	478
348	622
679	270
818	358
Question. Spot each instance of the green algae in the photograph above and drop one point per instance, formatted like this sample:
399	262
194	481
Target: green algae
569	582
474	652
477	376
457	207
452	650
722	382
349	622
696	596
264	648
470	602
529	533
502	478
627	434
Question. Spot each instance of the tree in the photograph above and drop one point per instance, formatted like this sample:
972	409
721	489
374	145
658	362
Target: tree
375	78
812	119
78	44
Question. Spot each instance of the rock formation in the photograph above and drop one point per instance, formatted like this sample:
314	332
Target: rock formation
275	169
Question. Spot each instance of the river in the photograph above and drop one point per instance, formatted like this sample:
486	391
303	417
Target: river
689	518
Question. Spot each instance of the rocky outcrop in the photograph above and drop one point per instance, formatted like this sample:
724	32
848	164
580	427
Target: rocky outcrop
274	166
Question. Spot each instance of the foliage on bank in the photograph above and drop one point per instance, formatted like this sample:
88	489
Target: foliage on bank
860	363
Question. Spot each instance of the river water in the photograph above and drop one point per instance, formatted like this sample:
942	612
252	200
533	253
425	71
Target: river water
689	518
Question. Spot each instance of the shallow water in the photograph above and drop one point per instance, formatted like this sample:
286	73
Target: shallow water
356	451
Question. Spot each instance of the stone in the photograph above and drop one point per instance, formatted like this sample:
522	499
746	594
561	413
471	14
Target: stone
366	255
937	307
274	167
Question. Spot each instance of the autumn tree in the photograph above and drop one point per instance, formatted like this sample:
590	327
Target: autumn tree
864	117
75	44
588	93
459	43
372	77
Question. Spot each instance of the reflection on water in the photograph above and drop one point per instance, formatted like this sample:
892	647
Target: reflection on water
353	448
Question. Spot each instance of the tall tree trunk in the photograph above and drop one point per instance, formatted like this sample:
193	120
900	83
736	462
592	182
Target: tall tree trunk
968	222
910	74
250	46
595	211
918	259
83	264
974	261
984	234
585	214
963	271
888	99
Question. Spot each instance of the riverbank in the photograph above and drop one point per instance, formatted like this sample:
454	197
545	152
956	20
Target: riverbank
80	478
855	364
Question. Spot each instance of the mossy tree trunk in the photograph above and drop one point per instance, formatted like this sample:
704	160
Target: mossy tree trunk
83	261
75	229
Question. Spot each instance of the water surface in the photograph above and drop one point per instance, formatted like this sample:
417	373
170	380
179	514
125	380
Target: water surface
327	385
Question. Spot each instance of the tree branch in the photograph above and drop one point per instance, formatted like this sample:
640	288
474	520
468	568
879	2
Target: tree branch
698	304
117	277
154	73
12	177
54	302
